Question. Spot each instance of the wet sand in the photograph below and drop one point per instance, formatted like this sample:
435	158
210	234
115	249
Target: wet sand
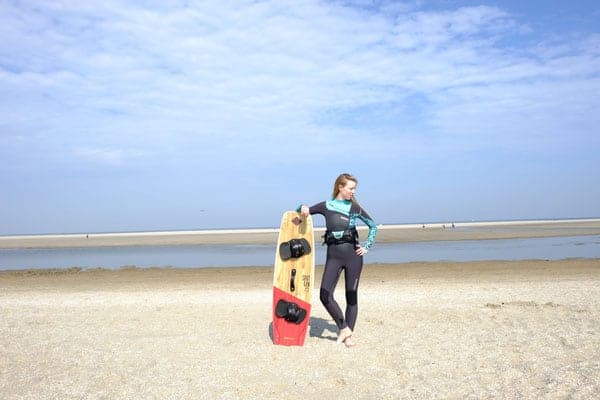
481	330
386	234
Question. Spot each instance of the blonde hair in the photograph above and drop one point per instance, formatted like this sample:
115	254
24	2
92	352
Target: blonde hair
342	180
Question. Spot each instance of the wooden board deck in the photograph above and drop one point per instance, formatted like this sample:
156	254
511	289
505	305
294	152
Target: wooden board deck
293	279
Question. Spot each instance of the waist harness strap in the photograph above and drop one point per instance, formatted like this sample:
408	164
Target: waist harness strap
347	236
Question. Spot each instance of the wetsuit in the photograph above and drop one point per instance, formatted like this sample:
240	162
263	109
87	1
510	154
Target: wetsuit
340	218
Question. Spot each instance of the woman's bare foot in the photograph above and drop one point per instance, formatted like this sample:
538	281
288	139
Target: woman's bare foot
349	342
344	334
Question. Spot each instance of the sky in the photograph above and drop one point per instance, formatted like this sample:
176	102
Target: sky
175	115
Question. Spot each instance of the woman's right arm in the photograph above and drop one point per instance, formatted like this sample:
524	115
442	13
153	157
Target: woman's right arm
316	209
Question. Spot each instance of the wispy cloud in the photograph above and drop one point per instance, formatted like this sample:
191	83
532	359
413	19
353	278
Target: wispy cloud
109	156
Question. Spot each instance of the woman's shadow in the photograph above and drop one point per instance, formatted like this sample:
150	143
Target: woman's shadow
318	327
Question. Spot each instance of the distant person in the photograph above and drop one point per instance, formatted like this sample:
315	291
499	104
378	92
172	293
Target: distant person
344	251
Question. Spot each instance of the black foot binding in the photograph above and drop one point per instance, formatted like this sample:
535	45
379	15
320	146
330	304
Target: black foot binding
294	248
290	311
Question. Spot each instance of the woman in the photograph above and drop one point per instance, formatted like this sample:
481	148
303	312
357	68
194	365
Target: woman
344	252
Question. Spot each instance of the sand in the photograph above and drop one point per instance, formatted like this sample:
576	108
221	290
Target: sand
386	234
478	330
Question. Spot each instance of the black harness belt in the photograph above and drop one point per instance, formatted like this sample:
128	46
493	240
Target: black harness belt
347	236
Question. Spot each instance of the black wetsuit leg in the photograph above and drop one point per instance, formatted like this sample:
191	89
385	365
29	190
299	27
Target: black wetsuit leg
341	257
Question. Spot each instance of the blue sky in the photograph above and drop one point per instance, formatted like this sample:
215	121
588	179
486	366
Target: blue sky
152	115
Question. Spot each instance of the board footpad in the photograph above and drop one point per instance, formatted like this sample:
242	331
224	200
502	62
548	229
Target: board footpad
294	248
290	311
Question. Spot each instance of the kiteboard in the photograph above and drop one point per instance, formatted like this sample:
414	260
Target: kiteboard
293	279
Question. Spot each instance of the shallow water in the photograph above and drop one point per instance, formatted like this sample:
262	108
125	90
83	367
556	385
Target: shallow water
263	255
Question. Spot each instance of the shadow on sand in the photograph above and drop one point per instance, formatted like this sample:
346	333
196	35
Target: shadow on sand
318	326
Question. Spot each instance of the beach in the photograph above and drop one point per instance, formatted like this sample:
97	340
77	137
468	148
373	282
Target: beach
476	330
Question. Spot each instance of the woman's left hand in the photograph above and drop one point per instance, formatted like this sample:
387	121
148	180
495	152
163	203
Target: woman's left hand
361	251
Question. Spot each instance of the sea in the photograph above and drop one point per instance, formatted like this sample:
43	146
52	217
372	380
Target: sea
206	256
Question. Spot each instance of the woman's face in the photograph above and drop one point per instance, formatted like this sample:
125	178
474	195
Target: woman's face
347	190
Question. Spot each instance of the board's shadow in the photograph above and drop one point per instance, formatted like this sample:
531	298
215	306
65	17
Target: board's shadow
317	326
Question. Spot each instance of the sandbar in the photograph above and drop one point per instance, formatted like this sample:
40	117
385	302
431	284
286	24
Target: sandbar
386	234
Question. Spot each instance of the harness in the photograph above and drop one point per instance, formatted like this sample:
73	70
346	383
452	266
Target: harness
346	236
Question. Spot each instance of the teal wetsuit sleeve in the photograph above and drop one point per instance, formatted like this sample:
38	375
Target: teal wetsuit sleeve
364	217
